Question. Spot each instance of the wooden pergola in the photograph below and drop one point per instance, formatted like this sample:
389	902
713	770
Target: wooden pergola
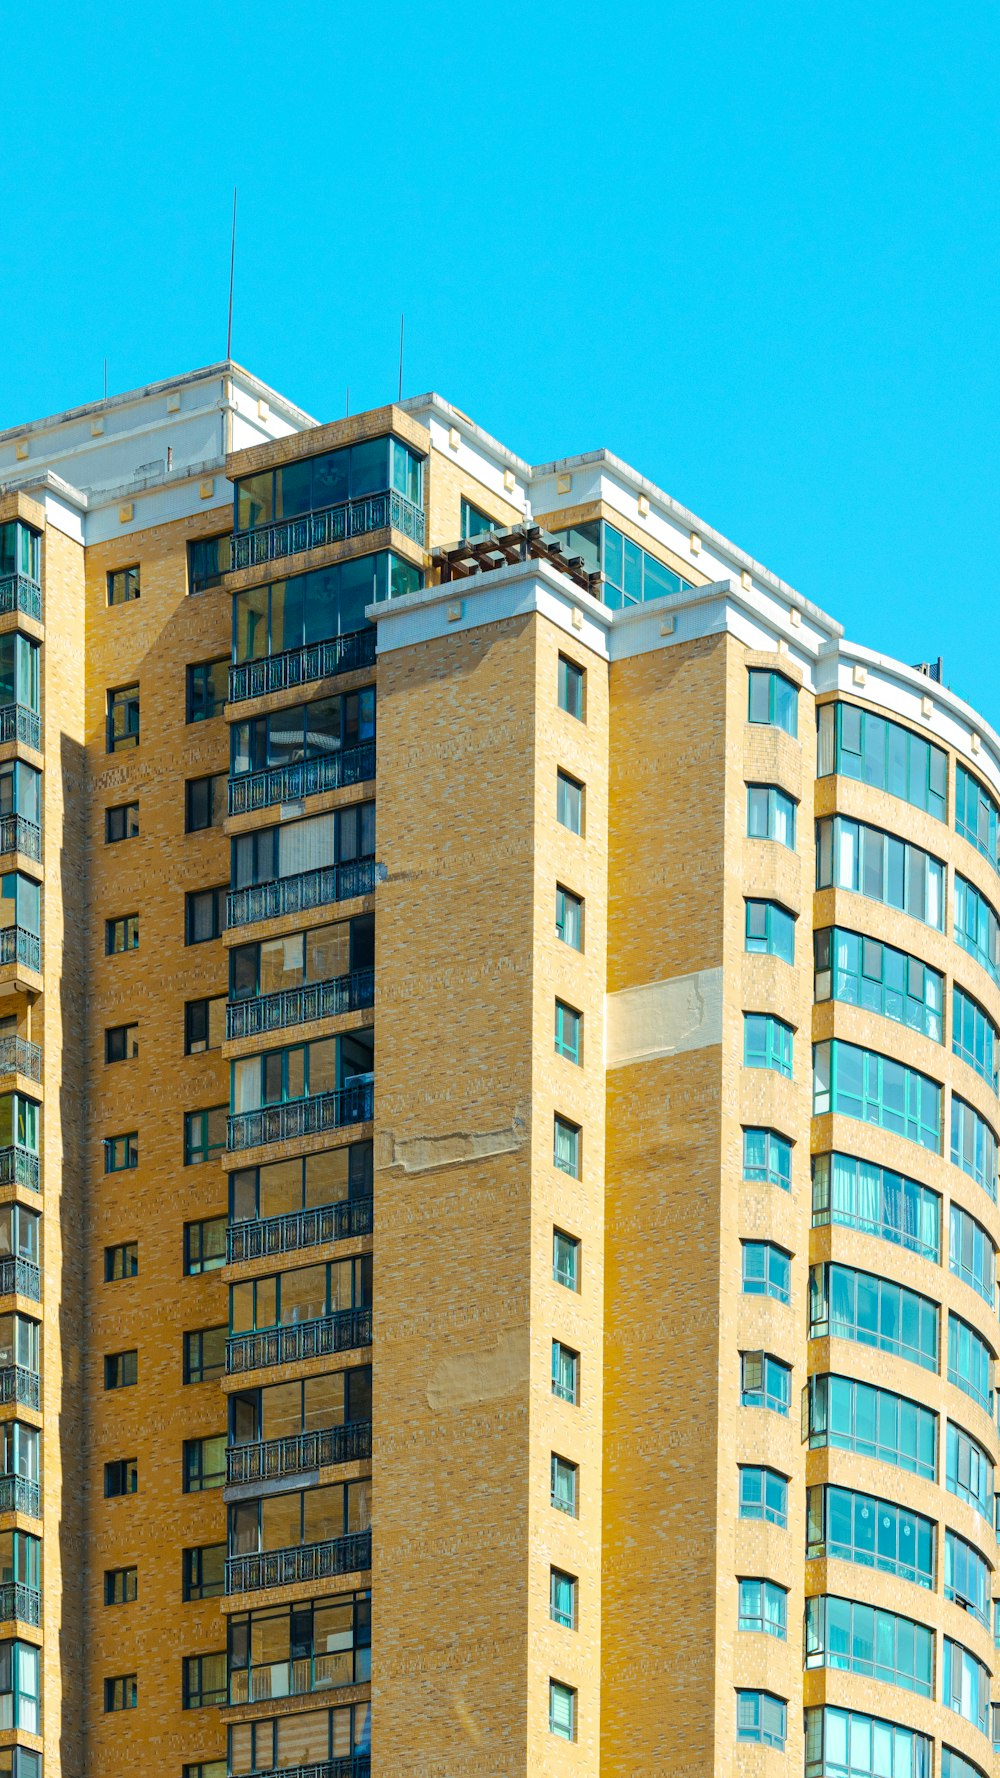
516	543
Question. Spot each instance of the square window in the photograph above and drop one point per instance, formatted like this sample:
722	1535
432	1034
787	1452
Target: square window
205	1680
121	1477
571	688
121	934
203	1572
565	1373
123	718
121	1043
569	802
562	1710
120	1585
204	1463
569	918
204	1025
204	914
121	1694
569	1032
478	524
204	1134
566	1152
562	1598
566	1259
205	1354
121	1261
204	1245
121	1153
205	802
121	823
121	1370
209	558
207	688
123	585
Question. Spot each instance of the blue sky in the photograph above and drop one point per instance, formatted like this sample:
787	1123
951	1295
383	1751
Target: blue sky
754	250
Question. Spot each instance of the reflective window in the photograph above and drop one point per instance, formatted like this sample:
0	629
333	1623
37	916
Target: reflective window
763	1606
860	1083
977	928
763	1495
974	1036
859	744
774	700
973	1145
969	1362
972	1255
767	1043
874	1533
977	817
770	929
762	1717
969	1471
765	1382
862	1195
857	1638
767	1157
847	1304
848	1744
771	814
851	855
966	1685
852	1416
864	972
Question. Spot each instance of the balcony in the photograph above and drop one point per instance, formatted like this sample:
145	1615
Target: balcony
299	666
344	1331
297	1229
18	1056
334	524
18	593
21	1603
301	1117
269	1459
300	1006
298	1678
18	1166
18	723
20	1386
299	894
19	835
355	1765
19	946
308	1562
307	777
20	1276
18	1495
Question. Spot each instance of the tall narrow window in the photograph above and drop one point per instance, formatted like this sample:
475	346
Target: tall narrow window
569	802
569	918
571	688
567	1147
569	1032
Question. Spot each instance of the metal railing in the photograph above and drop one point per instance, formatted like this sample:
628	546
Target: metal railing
295	1229
18	723
20	1602
20	1276
298	666
297	1678
18	1056
344	1331
299	894
18	1166
308	1562
17	834
17	1384
306	777
270	1458
18	593
351	1765
300	1006
19	946
18	1495
301	1117
332	524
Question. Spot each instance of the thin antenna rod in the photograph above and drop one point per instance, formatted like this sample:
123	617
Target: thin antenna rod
232	274
401	318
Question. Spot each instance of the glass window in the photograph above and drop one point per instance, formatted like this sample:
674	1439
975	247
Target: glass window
209	558
862	1195
850	855
770	929
859	744
121	1369
204	1134
852	1527
969	1471
121	1152
562	1710
763	1606
204	914
977	817
122	934
121	1585
203	1571
205	1354
121	1261
121	1043
571	687
972	1255
121	1693
767	1157
563	1485
205	802
569	802
767	1043
123	718
774	700
630	574
207	689
19	677
955	1765
771	814
974	1036
121	823
973	1145
857	1638
121	1476
967	1577
566	1155
846	1304
307	609
767	1270
476	523
310	1182
204	1463
565	1373
205	1681
851	1416
204	1245
763	1495
977	928
123	585
569	1032
853	1082
562	1598
848	1744
762	1717
20	550
969	1362
765	1382
864	972
566	1259
966	1685
569	918
204	1025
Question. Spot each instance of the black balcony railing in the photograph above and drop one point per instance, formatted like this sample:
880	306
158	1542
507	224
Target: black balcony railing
271	1458
19	946
20	835
18	1495
18	1056
298	894
301	1117
18	593
298	666
21	1603
344	1331
18	1166
297	1229
21	1386
21	1276
18	723
308	1562
352	1765
334	524
306	777
300	1006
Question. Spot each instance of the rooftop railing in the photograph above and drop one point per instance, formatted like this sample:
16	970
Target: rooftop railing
346	1330
299	666
295	1229
301	893
306	777
333	524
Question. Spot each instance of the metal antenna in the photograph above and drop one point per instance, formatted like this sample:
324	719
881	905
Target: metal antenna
401	319
232	274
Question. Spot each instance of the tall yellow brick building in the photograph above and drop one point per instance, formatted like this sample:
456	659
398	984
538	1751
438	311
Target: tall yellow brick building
498	1144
